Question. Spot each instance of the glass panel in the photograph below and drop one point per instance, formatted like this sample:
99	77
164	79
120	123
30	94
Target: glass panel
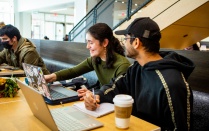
36	32
4	6
136	4
38	16
50	30
68	28
78	34
120	11
69	19
7	12
38	26
59	32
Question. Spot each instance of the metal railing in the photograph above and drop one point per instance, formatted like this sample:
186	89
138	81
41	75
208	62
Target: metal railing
102	13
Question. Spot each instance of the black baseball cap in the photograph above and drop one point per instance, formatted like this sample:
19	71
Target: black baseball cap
142	27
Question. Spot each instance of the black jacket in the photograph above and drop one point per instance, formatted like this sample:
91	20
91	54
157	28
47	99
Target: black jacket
152	86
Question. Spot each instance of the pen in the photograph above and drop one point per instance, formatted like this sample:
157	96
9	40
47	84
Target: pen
93	94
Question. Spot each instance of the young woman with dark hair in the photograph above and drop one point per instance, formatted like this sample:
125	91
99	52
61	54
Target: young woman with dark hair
107	58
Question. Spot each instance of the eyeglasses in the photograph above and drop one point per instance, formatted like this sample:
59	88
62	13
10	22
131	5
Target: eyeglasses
123	40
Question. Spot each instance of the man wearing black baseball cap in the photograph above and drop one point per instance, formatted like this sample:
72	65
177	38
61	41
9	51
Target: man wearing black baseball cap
156	80
142	27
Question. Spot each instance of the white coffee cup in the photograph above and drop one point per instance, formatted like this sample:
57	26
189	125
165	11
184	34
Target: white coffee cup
123	108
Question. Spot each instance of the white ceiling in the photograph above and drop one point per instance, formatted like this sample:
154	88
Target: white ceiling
66	9
45	6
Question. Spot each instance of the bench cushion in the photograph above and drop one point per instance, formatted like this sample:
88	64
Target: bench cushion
201	111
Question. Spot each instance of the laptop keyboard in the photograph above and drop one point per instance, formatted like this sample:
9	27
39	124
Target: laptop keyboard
56	95
65	122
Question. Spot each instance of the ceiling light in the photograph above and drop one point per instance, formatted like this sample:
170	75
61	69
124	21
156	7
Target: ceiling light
140	11
56	10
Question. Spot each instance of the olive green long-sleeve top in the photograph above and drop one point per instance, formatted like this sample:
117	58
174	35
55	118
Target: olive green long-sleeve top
104	75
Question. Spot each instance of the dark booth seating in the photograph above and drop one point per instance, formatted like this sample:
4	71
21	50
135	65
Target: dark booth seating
59	55
201	111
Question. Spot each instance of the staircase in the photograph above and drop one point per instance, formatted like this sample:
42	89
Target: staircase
111	12
182	22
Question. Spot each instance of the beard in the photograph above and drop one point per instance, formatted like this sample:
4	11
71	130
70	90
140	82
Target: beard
131	53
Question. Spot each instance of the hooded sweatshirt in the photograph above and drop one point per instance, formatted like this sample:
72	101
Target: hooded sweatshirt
160	91
24	53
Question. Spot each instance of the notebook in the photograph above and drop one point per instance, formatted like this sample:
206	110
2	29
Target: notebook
103	109
62	119
53	94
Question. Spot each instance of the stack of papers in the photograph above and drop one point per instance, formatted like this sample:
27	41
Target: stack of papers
105	108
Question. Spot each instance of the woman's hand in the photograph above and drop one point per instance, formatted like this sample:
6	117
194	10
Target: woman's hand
82	93
91	101
50	78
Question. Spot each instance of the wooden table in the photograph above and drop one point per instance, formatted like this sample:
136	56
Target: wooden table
11	72
6	70
15	115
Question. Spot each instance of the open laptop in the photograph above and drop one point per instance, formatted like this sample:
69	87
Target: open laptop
53	94
63	119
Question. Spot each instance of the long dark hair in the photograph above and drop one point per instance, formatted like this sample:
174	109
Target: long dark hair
101	31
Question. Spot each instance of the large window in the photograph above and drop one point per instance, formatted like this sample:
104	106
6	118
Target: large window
7	11
54	26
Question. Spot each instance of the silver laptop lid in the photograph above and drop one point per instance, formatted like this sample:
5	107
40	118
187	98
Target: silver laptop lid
37	105
41	111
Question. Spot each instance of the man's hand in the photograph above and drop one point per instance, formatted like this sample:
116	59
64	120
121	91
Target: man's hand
90	101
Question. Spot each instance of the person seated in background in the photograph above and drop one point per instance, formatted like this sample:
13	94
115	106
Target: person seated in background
193	47
107	58
46	38
65	38
18	50
157	81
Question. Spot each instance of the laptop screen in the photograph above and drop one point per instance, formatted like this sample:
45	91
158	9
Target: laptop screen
36	79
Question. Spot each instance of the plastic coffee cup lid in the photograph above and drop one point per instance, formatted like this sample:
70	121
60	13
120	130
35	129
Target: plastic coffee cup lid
123	99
